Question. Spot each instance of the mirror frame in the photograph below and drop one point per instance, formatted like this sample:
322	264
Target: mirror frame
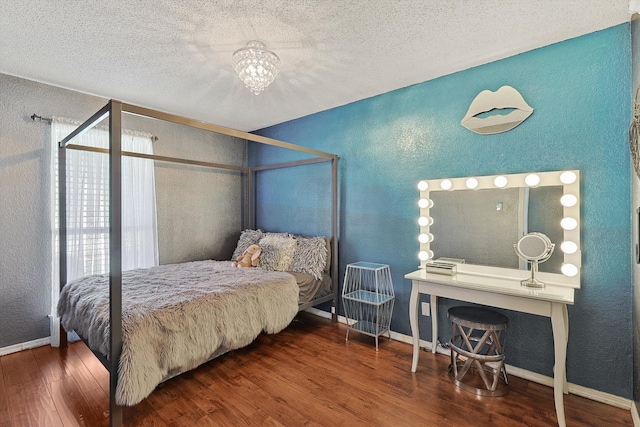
571	233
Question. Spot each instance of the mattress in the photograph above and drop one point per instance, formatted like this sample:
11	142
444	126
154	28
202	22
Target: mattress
177	316
311	288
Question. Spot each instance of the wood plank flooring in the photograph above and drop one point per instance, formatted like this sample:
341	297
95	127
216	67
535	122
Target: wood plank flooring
306	375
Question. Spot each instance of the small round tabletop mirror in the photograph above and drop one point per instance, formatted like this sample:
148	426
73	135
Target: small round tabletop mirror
534	248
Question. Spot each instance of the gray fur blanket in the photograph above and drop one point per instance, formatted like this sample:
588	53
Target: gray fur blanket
175	317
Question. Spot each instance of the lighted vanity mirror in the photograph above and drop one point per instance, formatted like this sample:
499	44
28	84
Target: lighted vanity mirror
479	219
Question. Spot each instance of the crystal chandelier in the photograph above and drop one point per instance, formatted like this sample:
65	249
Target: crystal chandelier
256	66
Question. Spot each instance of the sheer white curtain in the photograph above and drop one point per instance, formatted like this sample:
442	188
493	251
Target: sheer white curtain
88	205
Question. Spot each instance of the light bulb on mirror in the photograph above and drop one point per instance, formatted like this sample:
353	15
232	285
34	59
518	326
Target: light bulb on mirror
568	200
568	223
568	177
532	180
425	203
424	221
423	186
472	183
569	270
446	184
569	247
425	238
500	181
425	255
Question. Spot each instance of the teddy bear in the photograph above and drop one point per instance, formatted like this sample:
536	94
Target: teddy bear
249	258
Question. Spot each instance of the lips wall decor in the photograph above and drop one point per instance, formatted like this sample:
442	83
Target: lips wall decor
504	98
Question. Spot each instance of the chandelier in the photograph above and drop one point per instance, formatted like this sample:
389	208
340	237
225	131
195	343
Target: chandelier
256	66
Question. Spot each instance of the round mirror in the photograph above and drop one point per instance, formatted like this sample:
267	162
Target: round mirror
534	248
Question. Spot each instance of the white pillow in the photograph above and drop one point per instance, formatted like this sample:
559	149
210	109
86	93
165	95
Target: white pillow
277	252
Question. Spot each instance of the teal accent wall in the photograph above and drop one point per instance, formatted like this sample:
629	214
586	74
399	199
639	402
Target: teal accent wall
635	53
580	90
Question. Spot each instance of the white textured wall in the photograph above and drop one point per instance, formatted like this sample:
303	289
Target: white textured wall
199	211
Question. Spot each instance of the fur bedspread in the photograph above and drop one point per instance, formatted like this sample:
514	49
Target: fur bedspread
175	317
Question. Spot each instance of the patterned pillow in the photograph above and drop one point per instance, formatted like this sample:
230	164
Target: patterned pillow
310	256
277	251
247	238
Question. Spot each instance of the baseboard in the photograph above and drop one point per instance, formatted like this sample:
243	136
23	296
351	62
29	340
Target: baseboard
54	328
24	346
634	415
578	390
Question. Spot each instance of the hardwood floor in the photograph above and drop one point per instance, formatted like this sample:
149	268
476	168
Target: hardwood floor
305	375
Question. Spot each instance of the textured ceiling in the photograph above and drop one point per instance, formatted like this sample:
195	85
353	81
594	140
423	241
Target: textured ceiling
175	55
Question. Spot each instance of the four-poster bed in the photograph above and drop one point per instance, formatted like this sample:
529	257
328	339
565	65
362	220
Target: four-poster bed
111	350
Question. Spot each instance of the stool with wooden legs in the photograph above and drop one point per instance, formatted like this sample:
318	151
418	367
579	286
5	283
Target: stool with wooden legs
477	354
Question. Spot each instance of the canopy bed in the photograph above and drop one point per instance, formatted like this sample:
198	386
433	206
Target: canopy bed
208	302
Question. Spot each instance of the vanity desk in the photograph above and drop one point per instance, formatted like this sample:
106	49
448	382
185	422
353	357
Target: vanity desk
503	292
499	228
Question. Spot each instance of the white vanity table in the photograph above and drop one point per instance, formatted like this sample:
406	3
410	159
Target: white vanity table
480	219
504	292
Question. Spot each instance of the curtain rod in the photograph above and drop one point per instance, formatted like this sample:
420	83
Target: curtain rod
37	118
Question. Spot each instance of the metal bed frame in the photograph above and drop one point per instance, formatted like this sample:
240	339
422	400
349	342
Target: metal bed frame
114	110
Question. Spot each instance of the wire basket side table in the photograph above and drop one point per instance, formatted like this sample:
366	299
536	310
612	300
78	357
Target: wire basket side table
368	297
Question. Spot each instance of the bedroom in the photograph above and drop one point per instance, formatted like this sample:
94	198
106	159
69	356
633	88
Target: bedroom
382	143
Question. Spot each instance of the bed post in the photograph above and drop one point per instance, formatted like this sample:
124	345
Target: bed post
334	240
251	200
62	199
62	228
115	256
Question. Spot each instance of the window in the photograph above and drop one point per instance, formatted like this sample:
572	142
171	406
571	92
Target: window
88	205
